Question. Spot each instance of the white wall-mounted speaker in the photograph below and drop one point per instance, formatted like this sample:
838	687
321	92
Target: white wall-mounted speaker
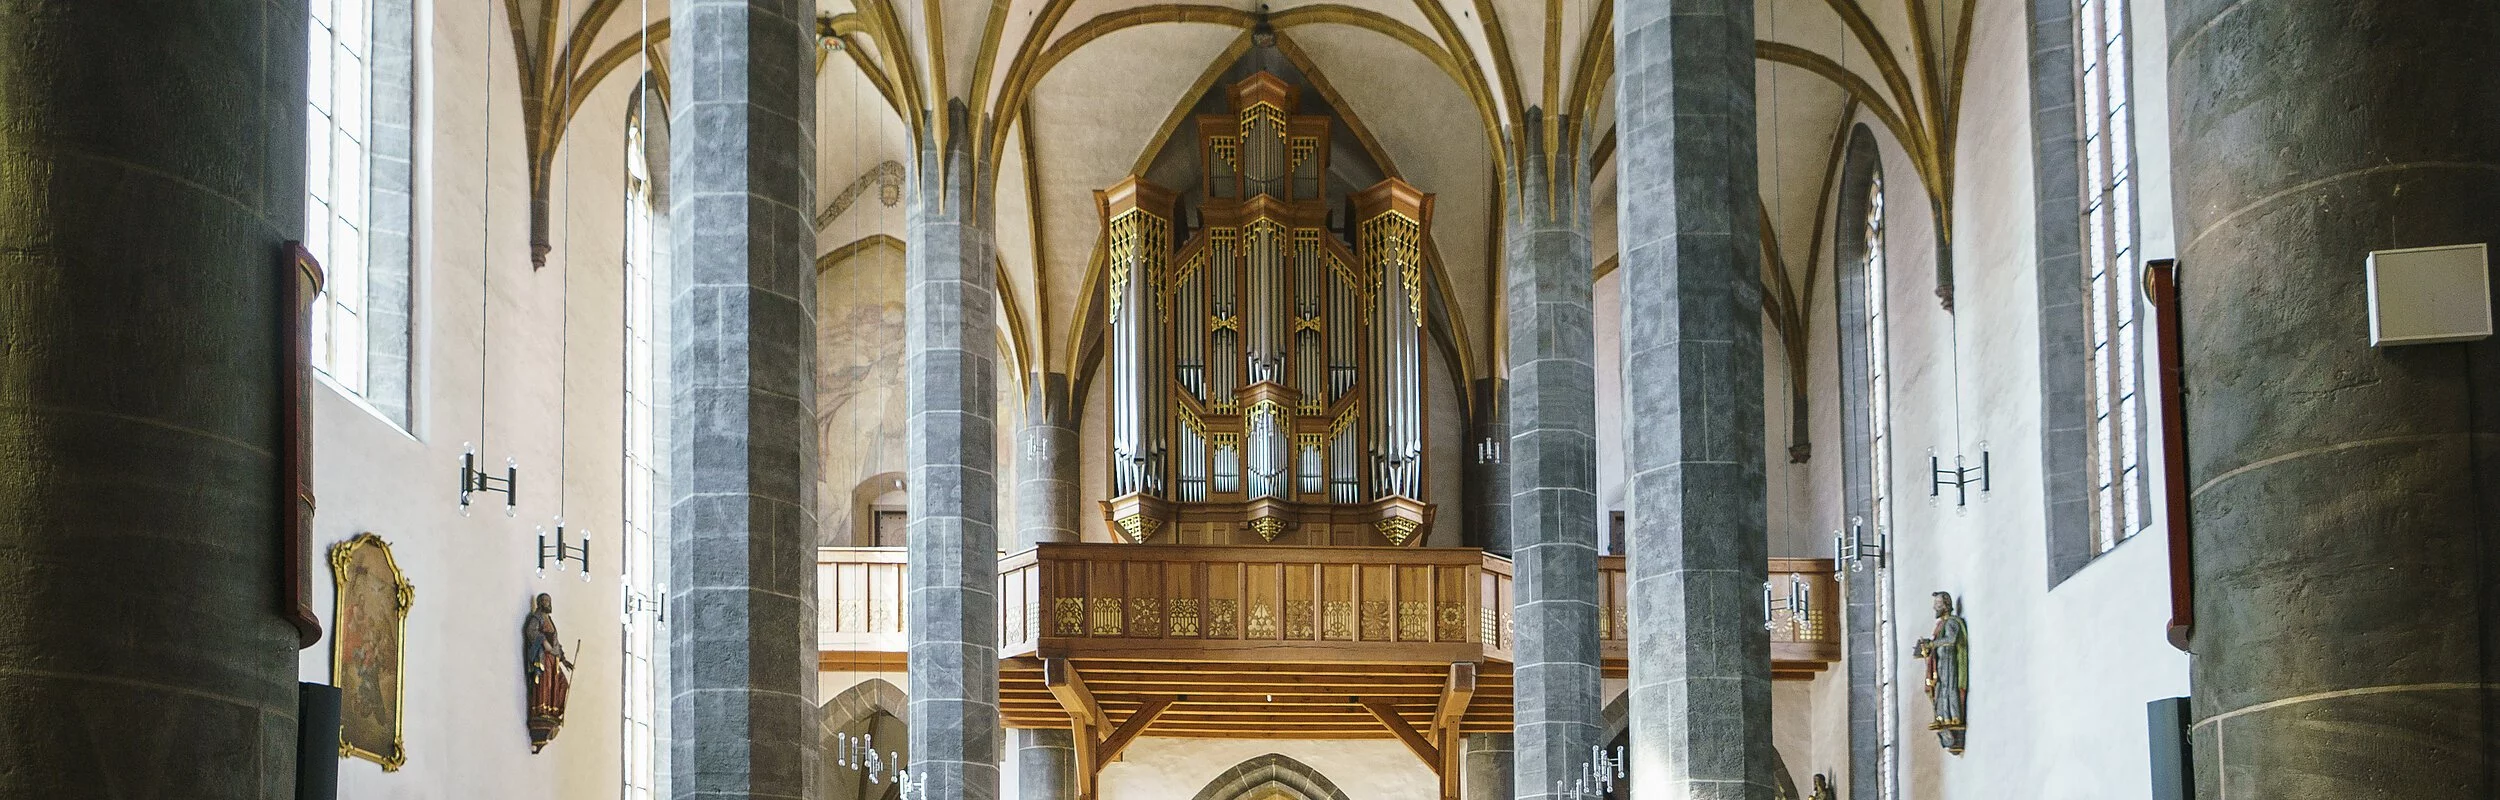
2427	295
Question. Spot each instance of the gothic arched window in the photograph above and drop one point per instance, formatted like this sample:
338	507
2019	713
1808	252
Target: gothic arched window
645	634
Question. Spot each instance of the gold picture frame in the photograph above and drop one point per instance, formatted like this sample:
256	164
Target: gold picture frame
368	653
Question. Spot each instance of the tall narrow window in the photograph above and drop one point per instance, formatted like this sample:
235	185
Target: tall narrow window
2112	271
641	473
1879	400
335	177
1879	452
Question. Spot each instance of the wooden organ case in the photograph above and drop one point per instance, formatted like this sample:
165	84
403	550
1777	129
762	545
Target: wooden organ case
1265	361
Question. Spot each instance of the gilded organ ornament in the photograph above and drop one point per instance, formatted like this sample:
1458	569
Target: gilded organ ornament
1263	342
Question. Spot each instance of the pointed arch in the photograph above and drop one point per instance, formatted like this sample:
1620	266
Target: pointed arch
873	707
866	698
1617	723
1274	772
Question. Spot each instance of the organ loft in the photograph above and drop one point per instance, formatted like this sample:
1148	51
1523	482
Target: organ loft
1264	342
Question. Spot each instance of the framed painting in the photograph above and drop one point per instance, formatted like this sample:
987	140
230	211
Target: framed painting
367	656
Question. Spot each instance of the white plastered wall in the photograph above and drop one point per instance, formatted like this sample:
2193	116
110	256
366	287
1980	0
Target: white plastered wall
526	363
2060	675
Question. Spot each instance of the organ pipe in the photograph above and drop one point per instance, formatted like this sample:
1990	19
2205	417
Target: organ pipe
1272	364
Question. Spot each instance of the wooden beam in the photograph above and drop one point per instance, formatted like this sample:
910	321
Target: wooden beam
1088	776
1415	741
1086	722
1128	731
1456	692
1069	687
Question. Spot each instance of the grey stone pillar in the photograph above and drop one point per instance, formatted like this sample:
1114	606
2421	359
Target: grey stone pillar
949	366
1045	765
2345	498
742	638
1488	483
154	163
1046	504
1553	464
1488	767
1692	367
1865	584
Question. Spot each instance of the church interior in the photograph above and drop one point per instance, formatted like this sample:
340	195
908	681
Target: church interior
1227	400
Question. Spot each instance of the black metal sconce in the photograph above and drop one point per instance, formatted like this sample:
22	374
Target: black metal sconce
562	552
1960	477
1798	603
1854	547
473	481
1488	451
655	604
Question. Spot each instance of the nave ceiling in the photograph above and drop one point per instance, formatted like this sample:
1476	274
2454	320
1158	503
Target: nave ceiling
1076	94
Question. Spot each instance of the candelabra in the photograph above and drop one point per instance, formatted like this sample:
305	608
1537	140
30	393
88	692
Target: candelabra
1960	477
1597	776
655	604
473	481
860	754
1856	549
1798	604
561	552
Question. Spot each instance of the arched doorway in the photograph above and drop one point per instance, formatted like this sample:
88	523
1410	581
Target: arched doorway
1271	777
877	511
873	709
1619	735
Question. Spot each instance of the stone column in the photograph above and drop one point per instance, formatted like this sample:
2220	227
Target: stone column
1488	483
154	163
1489	767
1692	365
1046	504
2344	498
742	526
1553	464
1045	765
949	366
1864	585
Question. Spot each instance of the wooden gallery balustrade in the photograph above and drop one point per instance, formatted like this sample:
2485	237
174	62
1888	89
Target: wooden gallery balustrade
1241	642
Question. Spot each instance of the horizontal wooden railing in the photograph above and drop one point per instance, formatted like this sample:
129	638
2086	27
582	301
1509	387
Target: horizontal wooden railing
1261	603
859	599
1381	604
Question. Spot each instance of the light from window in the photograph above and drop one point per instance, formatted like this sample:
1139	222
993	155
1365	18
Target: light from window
2112	271
1879	444
335	184
642	637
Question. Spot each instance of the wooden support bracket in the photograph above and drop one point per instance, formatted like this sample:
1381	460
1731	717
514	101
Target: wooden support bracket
1456	692
1415	740
1136	723
1097	743
1085	717
1439	745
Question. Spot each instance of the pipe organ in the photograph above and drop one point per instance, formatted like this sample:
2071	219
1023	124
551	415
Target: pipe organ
1264	343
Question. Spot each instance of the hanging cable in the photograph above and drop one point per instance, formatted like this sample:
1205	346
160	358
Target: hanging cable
472	479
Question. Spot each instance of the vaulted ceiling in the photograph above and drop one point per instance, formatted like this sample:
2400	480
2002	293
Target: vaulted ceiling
1076	94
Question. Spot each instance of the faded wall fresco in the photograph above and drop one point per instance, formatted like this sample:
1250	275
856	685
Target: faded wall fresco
859	381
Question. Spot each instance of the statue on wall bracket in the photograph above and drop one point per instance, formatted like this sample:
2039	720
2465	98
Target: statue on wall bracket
549	672
1947	651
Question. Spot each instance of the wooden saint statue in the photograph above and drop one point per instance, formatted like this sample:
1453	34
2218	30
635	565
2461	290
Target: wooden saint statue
549	670
1947	651
1822	788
